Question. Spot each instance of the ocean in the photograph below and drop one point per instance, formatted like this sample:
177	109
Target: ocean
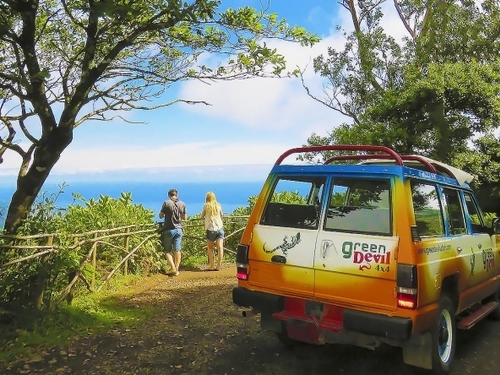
151	195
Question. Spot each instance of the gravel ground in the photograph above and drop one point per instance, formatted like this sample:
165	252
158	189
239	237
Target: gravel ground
200	331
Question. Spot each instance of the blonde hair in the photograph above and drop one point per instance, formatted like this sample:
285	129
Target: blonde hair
211	205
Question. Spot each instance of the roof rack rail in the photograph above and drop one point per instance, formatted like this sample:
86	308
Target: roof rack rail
382	152
382	156
387	152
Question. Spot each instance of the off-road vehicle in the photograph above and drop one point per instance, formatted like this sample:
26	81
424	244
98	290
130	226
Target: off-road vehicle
369	248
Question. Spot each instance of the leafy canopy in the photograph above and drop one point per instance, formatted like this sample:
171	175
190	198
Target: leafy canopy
430	91
434	90
67	62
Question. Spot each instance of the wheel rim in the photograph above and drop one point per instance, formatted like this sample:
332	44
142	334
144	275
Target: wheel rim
445	336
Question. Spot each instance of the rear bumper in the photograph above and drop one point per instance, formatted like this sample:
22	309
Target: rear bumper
379	325
350	320
258	300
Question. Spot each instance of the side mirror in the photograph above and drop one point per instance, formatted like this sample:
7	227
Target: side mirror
496	225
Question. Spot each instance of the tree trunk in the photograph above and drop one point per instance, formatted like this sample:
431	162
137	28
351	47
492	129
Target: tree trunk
442	149
46	155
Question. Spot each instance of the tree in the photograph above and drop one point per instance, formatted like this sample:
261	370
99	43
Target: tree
66	62
430	92
483	161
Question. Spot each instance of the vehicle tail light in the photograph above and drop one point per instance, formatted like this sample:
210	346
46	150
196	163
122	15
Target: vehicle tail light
407	298
407	286
242	262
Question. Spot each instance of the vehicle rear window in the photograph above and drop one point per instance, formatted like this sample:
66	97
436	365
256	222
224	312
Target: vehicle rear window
360	206
295	202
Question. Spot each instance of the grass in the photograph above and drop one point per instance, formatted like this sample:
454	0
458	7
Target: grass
32	331
194	261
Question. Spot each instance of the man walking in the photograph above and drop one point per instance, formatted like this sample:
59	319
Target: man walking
174	211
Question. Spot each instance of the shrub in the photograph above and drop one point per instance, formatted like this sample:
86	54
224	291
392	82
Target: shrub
43	279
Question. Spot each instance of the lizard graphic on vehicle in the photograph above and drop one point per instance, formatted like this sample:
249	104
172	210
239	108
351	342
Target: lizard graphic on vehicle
285	246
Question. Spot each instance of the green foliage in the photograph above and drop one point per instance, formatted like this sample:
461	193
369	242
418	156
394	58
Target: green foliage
289	197
483	161
83	61
39	282
429	223
434	92
22	281
105	213
247	210
488	218
90	314
337	199
45	216
404	117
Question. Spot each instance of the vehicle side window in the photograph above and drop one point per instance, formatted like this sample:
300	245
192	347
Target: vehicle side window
427	209
454	211
295	202
475	215
359	205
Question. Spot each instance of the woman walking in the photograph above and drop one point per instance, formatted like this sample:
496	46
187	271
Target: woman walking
212	214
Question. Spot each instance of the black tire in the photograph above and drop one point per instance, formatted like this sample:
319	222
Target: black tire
444	337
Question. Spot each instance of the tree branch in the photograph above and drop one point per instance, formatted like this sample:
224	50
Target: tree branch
361	44
402	18
337	108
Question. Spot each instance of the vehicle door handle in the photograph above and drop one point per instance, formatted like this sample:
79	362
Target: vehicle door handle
278	259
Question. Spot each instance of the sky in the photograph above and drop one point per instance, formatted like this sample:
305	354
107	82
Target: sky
248	126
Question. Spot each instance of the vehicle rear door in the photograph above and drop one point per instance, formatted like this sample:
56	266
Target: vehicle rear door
355	258
284	239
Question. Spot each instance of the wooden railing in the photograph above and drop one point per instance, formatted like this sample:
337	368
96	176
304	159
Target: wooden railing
44	246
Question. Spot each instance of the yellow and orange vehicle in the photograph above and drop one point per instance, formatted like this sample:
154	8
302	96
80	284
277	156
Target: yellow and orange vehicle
370	248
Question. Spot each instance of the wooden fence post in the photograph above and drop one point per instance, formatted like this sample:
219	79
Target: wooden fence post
127	241
41	278
94	261
71	276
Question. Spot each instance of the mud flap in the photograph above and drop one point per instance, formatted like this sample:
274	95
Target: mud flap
418	351
304	331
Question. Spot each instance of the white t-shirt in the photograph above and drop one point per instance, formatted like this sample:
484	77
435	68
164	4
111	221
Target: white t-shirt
213	222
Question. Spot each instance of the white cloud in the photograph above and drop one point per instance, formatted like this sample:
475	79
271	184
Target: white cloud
272	103
196	154
277	114
263	105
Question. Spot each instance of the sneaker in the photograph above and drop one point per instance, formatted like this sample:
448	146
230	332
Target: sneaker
176	273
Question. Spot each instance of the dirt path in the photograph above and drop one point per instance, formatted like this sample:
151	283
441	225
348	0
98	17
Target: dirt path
200	331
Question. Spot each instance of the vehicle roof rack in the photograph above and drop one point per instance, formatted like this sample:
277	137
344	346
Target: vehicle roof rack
390	153
383	154
418	158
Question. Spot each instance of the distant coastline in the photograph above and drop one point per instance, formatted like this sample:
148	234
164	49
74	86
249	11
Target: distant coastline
232	184
151	195
187	174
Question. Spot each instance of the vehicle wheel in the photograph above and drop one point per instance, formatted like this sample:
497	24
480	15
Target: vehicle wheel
444	337
495	314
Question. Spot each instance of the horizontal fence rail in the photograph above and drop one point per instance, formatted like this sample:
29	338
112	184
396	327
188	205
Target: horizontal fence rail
90	246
